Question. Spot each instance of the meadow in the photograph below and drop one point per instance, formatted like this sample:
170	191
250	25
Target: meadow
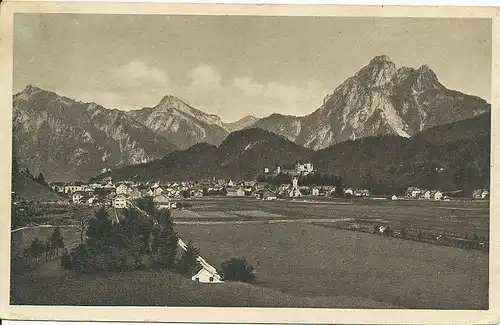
297	264
307	260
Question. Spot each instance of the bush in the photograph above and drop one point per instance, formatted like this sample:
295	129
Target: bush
237	269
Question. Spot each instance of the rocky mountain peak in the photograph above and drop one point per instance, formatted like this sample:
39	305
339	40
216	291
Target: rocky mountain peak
426	79
378	73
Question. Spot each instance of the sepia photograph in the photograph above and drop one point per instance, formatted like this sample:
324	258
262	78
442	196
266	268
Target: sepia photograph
260	161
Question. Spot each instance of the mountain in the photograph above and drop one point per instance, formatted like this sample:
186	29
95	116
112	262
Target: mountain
241	156
454	156
447	157
69	140
243	123
182	124
379	99
27	189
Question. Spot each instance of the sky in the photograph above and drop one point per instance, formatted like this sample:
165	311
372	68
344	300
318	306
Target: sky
235	66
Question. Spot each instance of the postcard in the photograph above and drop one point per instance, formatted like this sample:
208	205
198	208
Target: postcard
249	163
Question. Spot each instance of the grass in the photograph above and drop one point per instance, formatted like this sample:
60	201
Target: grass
51	286
313	261
466	217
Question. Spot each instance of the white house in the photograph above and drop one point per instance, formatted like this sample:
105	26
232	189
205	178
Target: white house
122	189
315	191
120	202
206	275
77	197
394	197
349	191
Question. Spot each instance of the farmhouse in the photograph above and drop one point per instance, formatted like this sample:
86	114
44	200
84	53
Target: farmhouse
120	202
413	192
361	193
162	202
207	275
433	195
315	191
349	191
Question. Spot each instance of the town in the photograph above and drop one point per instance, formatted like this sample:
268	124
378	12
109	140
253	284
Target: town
283	182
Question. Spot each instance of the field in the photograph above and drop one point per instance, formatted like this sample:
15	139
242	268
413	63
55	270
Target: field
51	286
315	261
299	262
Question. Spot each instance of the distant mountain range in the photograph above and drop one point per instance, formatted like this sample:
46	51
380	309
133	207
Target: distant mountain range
70	140
378	99
448	157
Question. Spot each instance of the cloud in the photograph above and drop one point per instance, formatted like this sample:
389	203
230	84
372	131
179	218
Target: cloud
132	85
136	75
243	95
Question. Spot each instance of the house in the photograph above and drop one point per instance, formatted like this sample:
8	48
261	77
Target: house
119	202
162	201
315	191
361	193
122	189
349	191
77	197
433	195
230	183
413	192
70	189
480	194
158	190
394	197
235	191
135	193
269	195
207	275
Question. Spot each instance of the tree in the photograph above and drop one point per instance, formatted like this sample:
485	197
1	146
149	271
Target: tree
188	262
237	269
57	240
41	180
82	219
404	233
99	226
166	244
37	248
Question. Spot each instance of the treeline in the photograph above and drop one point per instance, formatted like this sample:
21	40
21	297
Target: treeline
48	249
16	170
139	241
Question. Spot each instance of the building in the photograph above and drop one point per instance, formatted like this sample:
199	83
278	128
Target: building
269	195
349	191
361	193
394	197
77	197
70	189
303	168
120	202
162	202
135	193
315	191
122	189
235	191
206	275
413	192
480	194
294	191
433	195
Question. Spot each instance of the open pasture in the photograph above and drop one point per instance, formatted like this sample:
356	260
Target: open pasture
465	217
313	261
